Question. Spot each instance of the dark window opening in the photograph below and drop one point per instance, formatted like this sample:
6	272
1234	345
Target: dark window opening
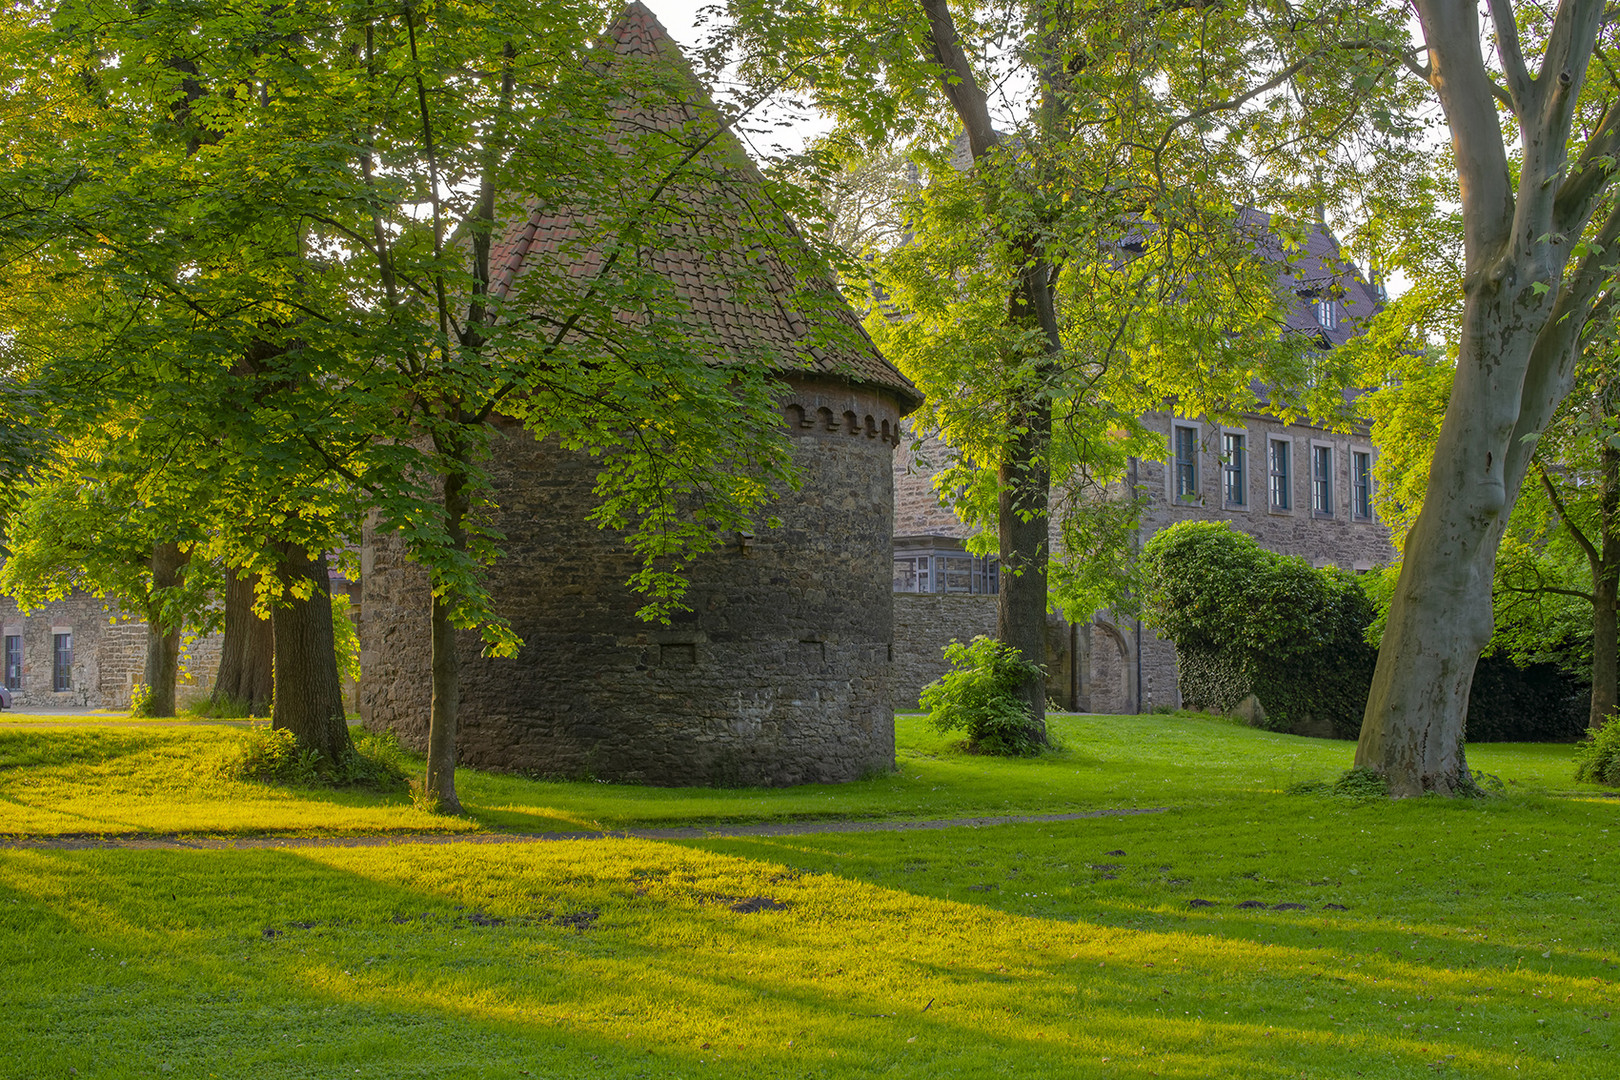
14	662
1235	467
1322	480
1186	464
1279	468
62	663
1361	483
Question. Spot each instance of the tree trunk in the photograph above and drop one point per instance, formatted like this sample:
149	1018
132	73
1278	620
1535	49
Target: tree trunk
1605	586
439	786
309	696
1023	522
162	641
247	657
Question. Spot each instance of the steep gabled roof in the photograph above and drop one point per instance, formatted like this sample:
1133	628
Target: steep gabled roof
742	286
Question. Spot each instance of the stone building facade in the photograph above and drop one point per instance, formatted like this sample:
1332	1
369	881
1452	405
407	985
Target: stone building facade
780	672
1299	489
81	651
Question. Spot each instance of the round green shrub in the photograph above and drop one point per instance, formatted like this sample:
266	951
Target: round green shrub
980	695
1245	620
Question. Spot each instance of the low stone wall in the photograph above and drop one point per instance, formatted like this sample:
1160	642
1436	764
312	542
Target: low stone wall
924	623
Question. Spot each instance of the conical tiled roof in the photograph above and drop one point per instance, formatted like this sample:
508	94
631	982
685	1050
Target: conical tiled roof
744	293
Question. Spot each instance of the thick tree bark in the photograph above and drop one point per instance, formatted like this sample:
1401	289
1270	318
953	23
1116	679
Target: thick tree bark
309	696
439	785
247	657
1023	514
1605	560
1522	323
1025	537
163	642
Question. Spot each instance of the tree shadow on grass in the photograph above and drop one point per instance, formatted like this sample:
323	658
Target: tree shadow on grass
408	961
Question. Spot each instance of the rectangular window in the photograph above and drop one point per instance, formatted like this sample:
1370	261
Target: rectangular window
957	573
1361	483
13	662
1235	467
1186	465
1322	479
1281	479
911	574
1327	314
62	663
988	579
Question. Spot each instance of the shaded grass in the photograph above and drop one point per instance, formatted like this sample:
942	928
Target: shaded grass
1468	938
879	954
164	779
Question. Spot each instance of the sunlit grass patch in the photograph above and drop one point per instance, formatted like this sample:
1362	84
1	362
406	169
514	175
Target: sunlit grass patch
163	779
816	956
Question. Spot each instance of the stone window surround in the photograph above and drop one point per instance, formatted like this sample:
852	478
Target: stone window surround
1372	486
1332	476
61	675
1170	465
1248	473
7	636
1292	472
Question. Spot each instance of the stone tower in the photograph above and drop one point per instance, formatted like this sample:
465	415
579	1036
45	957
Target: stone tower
779	673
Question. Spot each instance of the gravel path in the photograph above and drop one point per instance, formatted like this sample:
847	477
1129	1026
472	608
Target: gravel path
86	841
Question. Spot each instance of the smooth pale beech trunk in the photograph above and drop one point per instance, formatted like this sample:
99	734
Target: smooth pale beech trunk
247	656
163	643
1440	616
309	696
440	783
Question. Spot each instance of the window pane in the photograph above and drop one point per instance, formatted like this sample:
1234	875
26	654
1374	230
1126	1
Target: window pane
1279	475
1236	468
13	662
1322	481
1363	484
62	665
1186	464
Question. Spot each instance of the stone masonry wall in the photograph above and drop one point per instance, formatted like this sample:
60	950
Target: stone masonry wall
924	623
1338	539
109	654
780	673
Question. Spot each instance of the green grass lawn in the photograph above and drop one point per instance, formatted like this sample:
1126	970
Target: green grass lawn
1465	939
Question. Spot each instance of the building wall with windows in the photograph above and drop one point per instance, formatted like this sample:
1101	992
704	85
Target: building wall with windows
80	651
1297	489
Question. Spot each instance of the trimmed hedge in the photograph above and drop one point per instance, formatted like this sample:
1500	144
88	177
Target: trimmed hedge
1535	703
1246	620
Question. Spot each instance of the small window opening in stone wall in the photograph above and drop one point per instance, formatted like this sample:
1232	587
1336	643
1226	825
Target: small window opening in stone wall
1280	468
1322	479
1235	469
62	663
1186	464
1361	484
14	661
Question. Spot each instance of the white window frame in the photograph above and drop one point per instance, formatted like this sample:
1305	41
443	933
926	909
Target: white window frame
1326	310
1245	484
1292	471
1332	470
1372	485
1172	469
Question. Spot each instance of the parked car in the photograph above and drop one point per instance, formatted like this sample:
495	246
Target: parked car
5	697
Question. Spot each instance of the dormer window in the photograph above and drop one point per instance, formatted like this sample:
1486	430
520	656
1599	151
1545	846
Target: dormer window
1327	313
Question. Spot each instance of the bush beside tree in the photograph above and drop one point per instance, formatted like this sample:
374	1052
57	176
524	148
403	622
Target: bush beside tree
1245	620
